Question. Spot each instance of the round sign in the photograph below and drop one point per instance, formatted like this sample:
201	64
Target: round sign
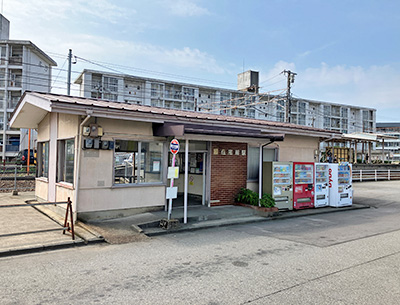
174	146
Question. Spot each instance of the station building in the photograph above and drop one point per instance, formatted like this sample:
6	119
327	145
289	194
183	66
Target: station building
111	158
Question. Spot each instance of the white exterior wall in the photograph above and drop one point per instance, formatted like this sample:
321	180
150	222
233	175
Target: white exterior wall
298	148
96	190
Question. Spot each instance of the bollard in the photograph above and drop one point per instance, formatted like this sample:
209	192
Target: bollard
15	192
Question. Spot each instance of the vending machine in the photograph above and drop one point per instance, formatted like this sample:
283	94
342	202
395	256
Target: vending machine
277	181
340	185
303	185
321	185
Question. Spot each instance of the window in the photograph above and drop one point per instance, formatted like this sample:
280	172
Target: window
111	84
253	161
43	159
132	167
66	157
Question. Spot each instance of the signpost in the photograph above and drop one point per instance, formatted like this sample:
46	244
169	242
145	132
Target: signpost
172	174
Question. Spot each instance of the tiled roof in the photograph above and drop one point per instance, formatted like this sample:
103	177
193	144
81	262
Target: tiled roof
105	104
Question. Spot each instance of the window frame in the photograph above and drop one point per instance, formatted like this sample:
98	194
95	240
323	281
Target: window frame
138	181
43	172
62	161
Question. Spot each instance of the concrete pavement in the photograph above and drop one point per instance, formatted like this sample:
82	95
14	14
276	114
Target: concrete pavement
348	260
26	229
129	229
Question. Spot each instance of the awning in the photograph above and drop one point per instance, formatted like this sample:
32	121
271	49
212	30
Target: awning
176	130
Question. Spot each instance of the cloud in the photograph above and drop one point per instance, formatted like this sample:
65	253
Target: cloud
136	54
316	50
185	8
374	86
56	10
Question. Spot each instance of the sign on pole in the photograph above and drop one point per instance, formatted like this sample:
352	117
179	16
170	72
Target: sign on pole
172	173
174	147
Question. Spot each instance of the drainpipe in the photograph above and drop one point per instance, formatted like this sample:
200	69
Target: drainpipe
260	172
78	150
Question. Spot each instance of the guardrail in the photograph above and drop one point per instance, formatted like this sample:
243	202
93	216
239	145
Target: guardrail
68	220
375	175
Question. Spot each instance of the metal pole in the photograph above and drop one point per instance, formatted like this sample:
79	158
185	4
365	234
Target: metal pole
171	185
203	200
15	192
186	181
69	72
388	174
28	163
260	175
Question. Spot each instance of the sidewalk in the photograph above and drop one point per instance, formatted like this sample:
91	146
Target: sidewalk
199	217
16	220
115	231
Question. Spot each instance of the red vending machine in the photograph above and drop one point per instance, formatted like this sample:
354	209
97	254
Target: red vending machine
303	185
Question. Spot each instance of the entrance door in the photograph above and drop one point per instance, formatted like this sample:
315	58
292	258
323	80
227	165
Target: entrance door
196	178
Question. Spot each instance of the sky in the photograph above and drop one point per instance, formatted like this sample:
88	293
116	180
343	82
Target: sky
343	51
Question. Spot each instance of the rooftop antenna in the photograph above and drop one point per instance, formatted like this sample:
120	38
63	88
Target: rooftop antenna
243	58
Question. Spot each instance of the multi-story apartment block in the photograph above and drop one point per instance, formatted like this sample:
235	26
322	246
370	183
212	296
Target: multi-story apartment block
23	66
245	102
391	146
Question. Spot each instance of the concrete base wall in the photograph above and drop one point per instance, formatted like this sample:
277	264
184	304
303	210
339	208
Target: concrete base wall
111	214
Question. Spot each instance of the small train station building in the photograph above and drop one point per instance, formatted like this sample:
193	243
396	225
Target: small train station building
112	158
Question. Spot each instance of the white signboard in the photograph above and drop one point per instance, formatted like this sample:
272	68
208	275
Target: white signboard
173	172
172	192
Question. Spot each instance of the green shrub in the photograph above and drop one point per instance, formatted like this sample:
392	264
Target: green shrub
247	196
267	201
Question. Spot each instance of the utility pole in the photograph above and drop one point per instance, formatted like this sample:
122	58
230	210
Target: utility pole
290	80
69	72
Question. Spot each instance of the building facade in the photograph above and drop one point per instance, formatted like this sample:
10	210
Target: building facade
23	66
246	102
111	158
391	147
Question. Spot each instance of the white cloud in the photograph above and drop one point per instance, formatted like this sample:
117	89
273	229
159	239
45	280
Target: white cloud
129	53
56	10
374	86
185	8
316	50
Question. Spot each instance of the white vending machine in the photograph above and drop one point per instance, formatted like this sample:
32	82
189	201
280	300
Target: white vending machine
340	185
321	185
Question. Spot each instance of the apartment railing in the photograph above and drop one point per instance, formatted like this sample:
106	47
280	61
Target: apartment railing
375	175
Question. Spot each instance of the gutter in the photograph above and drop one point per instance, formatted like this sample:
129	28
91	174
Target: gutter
260	171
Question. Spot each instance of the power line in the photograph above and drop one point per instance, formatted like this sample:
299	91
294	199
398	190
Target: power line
115	67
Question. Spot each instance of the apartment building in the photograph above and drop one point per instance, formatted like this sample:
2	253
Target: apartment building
246	101
391	146
23	66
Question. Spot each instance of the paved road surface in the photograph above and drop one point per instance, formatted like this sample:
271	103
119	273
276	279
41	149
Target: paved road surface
341	258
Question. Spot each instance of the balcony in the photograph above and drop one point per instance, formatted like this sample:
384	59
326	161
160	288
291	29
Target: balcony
15	60
11	104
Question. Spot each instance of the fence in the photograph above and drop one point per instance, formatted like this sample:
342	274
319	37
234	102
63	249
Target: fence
17	178
375	175
68	220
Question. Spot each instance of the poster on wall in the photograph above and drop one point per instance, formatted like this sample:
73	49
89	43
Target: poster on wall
156	166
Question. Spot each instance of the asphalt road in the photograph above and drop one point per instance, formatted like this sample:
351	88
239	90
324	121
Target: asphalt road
348	257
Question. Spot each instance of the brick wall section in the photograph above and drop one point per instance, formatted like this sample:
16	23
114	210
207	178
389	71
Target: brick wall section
228	172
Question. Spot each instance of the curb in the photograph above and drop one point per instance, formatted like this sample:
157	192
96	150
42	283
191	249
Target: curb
239	221
40	248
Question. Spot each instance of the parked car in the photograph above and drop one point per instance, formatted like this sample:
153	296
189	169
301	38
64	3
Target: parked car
22	157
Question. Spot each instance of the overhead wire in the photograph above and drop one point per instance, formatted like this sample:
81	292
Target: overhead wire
107	66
